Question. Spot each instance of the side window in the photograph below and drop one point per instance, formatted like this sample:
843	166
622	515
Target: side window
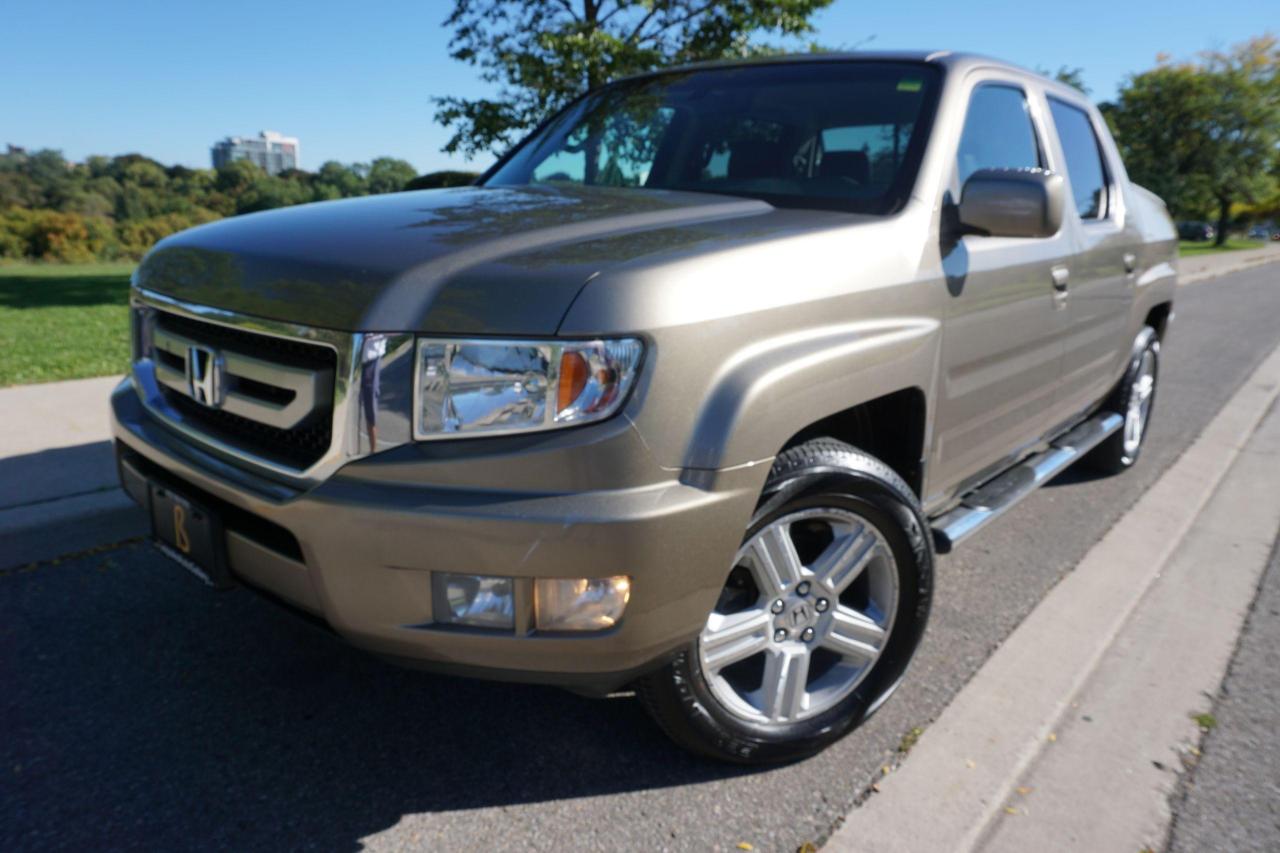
998	133
1085	172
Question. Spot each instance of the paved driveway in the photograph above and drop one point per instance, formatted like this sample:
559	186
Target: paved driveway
140	710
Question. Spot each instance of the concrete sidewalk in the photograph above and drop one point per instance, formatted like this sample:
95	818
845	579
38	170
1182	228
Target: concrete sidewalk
1231	796
1071	735
58	489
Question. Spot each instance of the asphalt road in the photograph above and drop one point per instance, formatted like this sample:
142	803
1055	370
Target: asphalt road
1229	800
139	709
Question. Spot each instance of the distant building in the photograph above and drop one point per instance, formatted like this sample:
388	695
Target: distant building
273	152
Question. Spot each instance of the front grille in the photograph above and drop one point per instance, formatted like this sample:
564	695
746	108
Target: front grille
302	443
267	347
298	447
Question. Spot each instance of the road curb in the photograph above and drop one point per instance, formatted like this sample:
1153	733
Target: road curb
1211	267
967	764
1118	751
50	529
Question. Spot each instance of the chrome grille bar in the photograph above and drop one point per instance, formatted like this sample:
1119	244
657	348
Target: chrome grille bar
303	388
259	388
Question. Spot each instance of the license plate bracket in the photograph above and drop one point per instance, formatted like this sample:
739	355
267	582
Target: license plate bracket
190	533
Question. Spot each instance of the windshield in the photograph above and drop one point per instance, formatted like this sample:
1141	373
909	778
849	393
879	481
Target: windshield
835	135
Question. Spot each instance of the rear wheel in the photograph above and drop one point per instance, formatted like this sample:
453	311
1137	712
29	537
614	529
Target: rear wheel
822	609
1132	399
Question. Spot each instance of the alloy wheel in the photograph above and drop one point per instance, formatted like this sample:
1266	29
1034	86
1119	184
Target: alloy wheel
1139	409
806	614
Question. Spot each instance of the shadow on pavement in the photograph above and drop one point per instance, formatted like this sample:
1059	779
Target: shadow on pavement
56	473
141	709
1078	473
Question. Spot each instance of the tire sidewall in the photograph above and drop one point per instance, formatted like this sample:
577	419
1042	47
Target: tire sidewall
907	535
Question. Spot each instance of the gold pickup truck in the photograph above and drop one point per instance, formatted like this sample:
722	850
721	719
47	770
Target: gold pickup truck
683	395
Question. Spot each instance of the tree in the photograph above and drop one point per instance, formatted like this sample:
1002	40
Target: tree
1204	134
335	180
1071	76
542	53
389	175
446	178
118	207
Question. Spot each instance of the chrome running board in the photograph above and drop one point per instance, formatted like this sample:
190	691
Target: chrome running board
990	500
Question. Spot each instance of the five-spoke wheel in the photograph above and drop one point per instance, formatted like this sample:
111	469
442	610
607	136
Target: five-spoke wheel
810	603
822	608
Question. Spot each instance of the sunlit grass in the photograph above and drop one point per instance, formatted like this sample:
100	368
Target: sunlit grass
63	321
1189	249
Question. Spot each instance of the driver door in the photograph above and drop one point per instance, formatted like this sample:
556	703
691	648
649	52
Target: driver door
1002	344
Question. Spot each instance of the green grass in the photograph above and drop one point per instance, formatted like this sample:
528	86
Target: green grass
1205	721
63	321
1188	249
909	740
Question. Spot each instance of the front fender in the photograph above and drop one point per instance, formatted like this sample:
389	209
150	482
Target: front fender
773	388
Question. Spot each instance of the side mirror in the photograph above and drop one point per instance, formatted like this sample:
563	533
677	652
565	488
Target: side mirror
1012	203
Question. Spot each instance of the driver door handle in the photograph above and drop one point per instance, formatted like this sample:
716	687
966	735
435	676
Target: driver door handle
1061	275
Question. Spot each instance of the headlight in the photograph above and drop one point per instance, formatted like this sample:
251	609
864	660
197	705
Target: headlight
490	386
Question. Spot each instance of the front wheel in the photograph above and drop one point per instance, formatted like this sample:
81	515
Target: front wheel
821	612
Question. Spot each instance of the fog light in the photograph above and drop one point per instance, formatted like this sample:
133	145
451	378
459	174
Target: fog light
579	604
481	601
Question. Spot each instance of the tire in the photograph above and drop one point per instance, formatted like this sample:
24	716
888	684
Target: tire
1133	399
853	606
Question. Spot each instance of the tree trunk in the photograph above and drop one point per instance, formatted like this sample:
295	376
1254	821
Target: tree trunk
1224	218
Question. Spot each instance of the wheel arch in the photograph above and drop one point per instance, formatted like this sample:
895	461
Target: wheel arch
890	427
1158	318
852	380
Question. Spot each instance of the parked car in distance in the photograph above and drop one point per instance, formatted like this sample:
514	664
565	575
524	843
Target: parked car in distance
1260	232
684	396
1196	231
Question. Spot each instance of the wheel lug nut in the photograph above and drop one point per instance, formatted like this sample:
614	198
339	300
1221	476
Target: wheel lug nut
807	635
777	606
779	635
821	605
803	588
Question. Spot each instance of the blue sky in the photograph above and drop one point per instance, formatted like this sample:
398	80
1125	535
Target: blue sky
354	80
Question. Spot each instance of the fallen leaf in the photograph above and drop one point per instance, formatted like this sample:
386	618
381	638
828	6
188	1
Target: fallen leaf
875	786
743	845
1052	737
884	771
1024	790
970	763
1010	810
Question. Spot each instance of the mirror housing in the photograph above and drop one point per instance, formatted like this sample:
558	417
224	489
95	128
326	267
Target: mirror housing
1012	203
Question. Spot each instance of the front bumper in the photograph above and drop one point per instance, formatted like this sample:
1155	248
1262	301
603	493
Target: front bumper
357	550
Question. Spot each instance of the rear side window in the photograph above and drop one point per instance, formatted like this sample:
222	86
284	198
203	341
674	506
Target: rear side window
1085	171
998	133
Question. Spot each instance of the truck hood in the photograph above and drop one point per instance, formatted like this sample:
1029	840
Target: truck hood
475	260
